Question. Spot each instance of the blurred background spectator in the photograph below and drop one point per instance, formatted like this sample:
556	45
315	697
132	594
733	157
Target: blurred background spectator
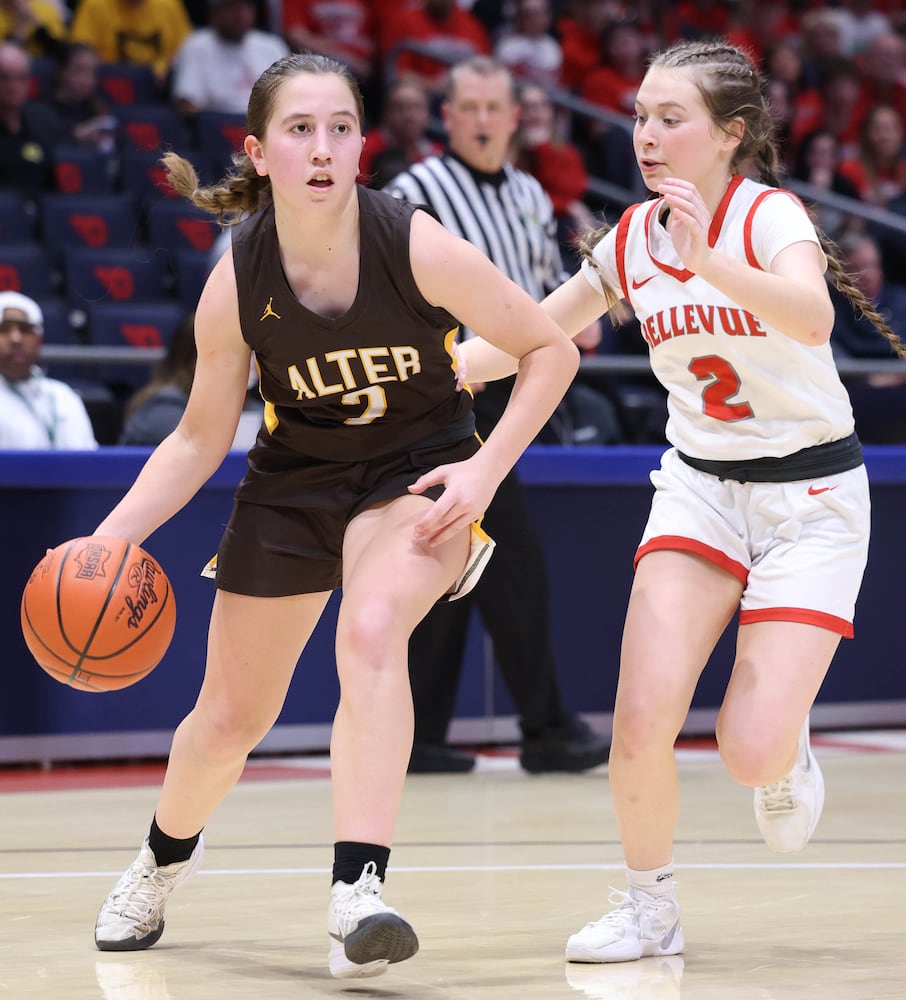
214	69
156	408
75	98
818	163
29	131
441	26
878	173
526	46
36	412
879	400
341	29
144	32
541	149
37	25
400	139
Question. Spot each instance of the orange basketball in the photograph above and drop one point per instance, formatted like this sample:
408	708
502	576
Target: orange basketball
98	613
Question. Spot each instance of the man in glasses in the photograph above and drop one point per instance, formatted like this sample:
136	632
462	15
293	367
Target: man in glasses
36	412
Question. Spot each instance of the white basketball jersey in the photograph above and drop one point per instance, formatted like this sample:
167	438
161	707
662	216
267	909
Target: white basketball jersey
738	389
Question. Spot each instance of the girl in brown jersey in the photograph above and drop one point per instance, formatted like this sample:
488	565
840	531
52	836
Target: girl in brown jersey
393	523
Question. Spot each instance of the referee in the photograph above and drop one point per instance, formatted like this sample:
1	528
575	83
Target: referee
477	194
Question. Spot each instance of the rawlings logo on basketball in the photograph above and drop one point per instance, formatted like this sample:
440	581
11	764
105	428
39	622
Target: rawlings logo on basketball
91	561
141	577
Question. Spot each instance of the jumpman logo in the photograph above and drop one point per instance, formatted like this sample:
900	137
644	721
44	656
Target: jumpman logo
269	310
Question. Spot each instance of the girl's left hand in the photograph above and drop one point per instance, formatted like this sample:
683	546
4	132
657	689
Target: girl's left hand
689	222
467	493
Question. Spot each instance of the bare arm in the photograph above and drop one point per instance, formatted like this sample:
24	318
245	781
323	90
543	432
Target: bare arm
183	461
574	306
792	297
452	273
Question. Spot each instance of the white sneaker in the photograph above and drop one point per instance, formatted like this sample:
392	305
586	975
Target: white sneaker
648	979
132	917
369	935
641	925
788	811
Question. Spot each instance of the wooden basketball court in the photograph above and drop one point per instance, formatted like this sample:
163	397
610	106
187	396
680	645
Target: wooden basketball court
494	870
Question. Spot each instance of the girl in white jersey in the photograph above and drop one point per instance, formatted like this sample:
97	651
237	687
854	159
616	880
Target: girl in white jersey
761	505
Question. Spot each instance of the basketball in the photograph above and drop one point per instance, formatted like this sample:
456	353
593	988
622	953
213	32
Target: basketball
98	613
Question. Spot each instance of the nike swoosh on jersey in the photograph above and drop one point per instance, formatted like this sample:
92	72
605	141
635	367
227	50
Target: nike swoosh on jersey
813	491
644	281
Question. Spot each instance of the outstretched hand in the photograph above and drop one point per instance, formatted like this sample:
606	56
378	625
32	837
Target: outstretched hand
467	493
689	222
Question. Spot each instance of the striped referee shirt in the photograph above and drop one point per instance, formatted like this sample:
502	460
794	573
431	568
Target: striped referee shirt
507	215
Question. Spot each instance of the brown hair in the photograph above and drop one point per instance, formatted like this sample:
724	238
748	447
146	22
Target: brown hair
731	88
242	191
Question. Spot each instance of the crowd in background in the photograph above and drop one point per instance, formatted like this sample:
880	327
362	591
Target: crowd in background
836	74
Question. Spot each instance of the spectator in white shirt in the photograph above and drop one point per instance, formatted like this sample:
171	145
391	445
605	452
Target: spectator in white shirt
36	412
216	66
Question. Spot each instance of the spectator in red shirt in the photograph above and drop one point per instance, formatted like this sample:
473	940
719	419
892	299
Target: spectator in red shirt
835	106
541	149
341	29
581	30
444	28
883	69
697	19
402	131
879	171
615	83
758	26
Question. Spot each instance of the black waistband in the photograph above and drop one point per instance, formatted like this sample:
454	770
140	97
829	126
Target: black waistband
464	427
809	463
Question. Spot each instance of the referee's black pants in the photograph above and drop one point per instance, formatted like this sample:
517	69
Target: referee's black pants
512	599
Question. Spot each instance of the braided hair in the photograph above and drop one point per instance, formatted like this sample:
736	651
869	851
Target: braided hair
732	89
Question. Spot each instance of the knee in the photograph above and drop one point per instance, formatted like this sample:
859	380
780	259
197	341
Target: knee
637	731
228	730
369	638
751	757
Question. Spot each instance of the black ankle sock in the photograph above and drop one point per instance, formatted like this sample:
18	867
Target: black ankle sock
350	857
169	850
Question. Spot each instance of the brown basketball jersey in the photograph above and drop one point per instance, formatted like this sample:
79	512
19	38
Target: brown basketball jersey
374	380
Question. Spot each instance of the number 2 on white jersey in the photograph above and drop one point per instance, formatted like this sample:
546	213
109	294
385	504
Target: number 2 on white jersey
724	383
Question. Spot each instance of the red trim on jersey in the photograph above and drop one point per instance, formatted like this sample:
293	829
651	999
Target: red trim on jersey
622	237
804	616
718	220
678	543
750	222
682	273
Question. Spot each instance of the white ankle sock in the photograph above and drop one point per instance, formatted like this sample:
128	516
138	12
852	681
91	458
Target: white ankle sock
656	881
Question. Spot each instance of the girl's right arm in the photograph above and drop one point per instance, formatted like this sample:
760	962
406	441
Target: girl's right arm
574	306
183	461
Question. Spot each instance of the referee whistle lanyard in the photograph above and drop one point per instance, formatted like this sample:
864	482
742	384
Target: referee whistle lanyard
50	426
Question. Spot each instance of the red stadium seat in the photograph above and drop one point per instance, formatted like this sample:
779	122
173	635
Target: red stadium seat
83	170
89	220
113	274
178	225
152	126
27	268
218	134
130	324
124	84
